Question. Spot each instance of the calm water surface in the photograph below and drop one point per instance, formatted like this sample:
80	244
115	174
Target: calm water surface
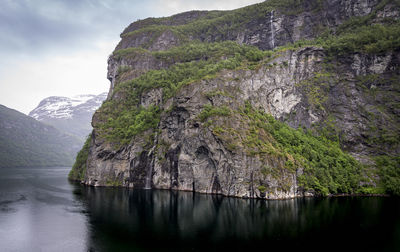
41	211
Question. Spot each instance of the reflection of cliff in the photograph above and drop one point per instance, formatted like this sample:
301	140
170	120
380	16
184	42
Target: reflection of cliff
123	219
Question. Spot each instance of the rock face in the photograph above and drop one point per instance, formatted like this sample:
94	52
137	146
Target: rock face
71	115
352	97
267	26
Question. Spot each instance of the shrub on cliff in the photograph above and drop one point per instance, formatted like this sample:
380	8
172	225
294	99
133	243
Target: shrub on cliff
79	168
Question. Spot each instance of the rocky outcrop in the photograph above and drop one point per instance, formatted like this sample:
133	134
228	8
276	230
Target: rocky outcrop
277	27
267	25
298	86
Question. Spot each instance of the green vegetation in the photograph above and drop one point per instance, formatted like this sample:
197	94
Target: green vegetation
200	61
122	126
113	183
223	23
262	189
140	24
358	34
129	52
25	142
123	119
209	111
357	21
79	168
389	172
383	128
366	38
218	93
384	125
316	89
195	50
374	38
327	169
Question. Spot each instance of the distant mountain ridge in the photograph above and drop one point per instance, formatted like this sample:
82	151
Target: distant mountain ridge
25	141
72	115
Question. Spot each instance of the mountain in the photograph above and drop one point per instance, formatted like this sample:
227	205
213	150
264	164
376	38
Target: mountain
72	115
275	100
27	142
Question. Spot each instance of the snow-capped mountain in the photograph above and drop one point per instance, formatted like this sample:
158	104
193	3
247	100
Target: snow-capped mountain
64	108
72	115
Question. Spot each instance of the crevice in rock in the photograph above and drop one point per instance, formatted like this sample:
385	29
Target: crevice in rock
173	157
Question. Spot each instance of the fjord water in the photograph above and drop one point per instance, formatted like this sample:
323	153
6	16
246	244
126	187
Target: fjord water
41	211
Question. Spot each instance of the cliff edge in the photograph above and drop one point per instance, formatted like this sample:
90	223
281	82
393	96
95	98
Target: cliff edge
276	100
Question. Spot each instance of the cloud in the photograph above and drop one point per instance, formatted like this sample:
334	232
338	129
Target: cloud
25	27
36	26
29	80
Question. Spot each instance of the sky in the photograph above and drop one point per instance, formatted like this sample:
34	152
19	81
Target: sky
61	47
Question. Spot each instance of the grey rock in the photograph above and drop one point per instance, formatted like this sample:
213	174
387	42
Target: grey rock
187	155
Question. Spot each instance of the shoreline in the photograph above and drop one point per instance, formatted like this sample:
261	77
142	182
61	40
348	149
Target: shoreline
255	198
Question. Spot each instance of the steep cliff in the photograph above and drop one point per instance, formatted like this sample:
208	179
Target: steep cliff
275	100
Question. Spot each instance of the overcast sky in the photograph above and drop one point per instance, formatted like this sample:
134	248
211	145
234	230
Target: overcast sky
60	47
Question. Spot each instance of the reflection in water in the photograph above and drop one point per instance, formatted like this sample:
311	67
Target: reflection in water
41	211
123	219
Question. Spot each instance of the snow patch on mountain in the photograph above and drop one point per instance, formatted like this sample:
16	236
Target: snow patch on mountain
59	107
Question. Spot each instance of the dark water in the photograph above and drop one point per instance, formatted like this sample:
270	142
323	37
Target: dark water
41	211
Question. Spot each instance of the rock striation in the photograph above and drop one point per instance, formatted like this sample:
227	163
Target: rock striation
208	136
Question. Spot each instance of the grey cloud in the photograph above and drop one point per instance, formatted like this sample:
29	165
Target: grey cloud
34	26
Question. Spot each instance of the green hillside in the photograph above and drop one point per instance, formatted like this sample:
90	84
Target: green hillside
27	142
